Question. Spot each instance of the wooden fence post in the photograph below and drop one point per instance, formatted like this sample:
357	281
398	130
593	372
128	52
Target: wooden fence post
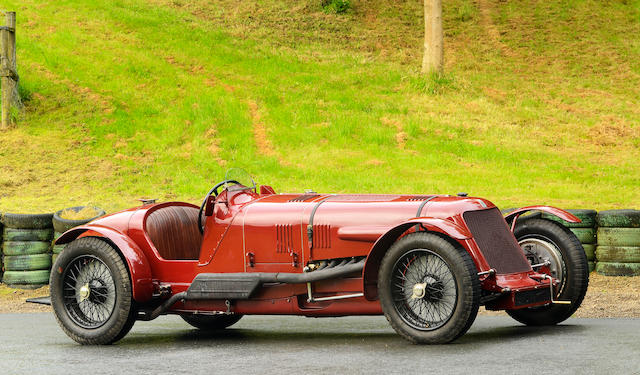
9	69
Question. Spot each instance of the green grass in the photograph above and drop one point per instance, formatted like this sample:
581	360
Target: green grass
539	102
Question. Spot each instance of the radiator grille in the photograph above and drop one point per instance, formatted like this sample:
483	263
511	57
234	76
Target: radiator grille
496	241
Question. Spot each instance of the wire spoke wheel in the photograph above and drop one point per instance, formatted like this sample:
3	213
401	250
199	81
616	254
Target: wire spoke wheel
428	288
549	241
89	291
424	289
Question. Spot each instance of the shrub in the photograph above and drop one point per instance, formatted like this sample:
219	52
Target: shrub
336	6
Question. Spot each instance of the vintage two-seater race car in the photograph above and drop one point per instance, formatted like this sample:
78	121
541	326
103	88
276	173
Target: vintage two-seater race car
427	262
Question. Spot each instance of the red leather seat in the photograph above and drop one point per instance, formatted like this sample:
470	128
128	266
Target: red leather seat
173	230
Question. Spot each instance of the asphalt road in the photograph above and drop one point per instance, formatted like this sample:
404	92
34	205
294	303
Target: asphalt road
34	344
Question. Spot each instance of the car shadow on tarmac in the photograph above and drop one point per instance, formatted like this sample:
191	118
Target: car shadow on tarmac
483	334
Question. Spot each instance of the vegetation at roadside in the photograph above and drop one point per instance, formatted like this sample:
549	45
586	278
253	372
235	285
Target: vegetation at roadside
540	102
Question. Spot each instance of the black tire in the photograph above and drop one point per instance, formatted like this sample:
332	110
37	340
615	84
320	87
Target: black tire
91	270
25	247
211	322
569	265
442	279
619	218
588	218
62	225
11	234
27	262
22	221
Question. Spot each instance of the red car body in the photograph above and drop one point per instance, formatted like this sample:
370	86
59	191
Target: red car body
246	232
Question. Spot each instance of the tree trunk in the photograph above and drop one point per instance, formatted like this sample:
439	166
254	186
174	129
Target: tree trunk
432	60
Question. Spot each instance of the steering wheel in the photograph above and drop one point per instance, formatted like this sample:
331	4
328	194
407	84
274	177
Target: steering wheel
214	191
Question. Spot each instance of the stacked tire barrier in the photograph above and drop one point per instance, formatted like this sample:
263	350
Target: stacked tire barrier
26	249
618	250
61	225
585	231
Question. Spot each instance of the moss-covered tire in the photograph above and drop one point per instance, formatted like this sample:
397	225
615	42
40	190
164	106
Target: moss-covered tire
618	269
619	218
620	254
552	241
56	235
62	225
23	221
15	278
585	235
91	292
11	234
57	249
25	247
27	262
590	251
592	266
428	288
588	218
618	236
211	322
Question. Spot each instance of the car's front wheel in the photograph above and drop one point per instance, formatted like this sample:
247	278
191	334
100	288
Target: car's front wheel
91	292
428	288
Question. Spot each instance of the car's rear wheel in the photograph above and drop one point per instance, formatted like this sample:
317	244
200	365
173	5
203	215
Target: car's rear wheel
428	288
91	292
211	322
545	240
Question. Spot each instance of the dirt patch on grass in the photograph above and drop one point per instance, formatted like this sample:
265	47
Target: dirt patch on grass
607	297
486	21
259	131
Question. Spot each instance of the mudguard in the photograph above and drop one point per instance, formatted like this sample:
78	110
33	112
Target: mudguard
370	272
139	269
564	215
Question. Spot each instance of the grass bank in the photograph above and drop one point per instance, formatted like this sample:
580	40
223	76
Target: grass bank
540	102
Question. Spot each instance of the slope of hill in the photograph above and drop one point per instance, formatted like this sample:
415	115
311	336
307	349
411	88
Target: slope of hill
540	102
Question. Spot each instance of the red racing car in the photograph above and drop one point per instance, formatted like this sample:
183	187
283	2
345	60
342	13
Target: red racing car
427	262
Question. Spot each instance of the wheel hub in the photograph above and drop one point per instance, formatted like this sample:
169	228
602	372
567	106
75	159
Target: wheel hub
419	290
84	292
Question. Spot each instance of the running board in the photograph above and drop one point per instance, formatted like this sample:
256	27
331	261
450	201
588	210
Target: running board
209	286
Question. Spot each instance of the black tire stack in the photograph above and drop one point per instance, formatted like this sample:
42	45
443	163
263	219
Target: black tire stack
618	248
585	231
61	225
26	249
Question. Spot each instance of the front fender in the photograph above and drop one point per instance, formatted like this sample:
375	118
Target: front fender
564	215
138	265
379	249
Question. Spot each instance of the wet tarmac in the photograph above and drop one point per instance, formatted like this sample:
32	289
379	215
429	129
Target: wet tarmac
34	344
